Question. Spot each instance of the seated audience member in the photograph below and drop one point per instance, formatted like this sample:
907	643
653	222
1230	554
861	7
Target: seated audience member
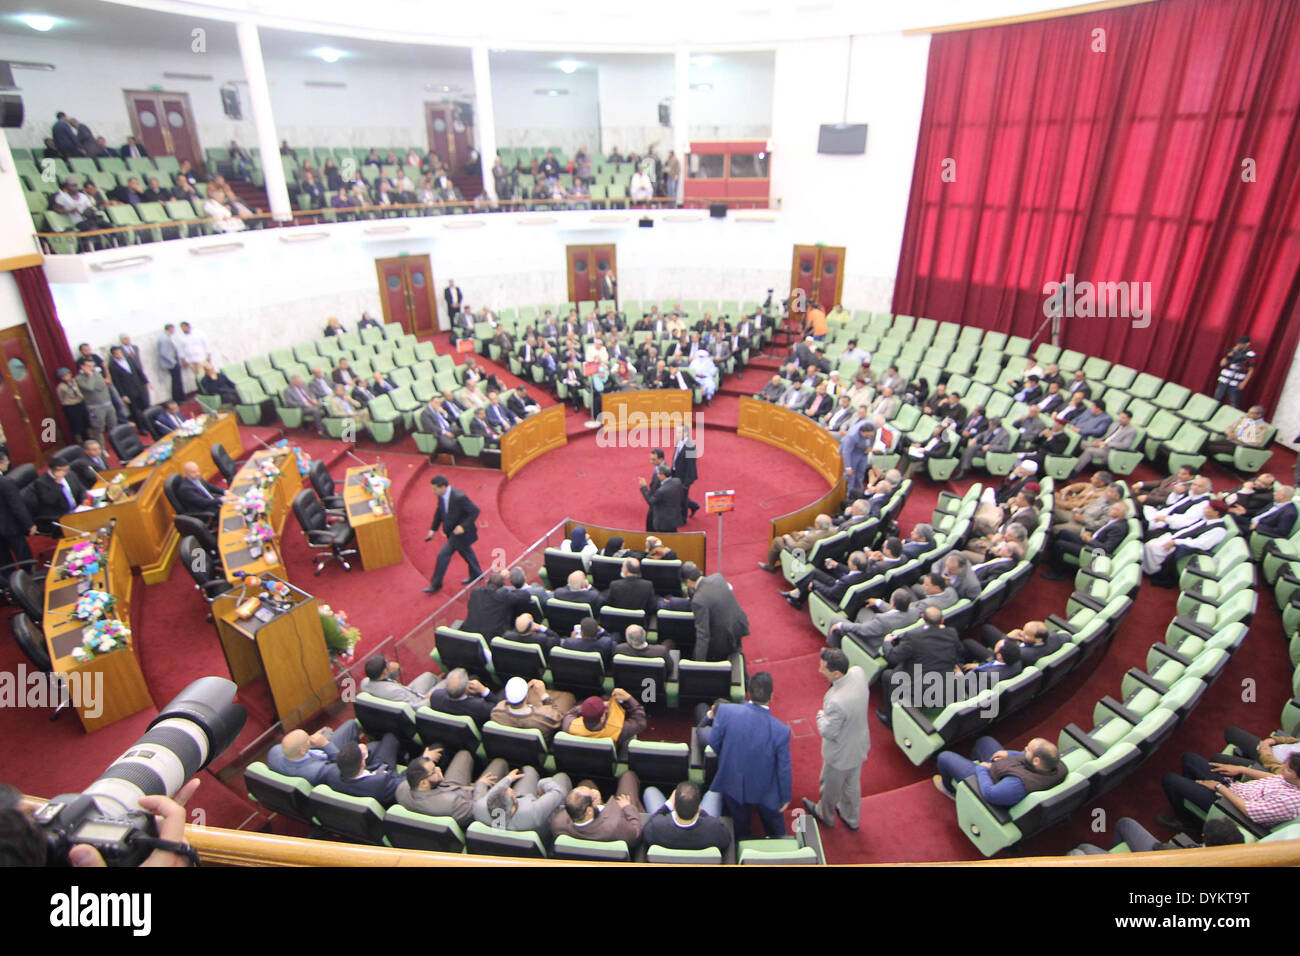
656	550
522	801
1138	839
636	644
348	773
526	631
1093	423
435	421
932	650
1264	797
461	695
578	543
1160	556
631	591
218	384
993	438
802	542
529	705
480	427
939	445
1277	521
586	816
686	820
1003	779
1001	663
1249	431
773	390
518	582
499	415
342	405
1119	435
579	591
1178	514
1036	641
299	395
1105	539
833	582
490	608
1072	497
334	327
426	789
384	680
1250	499
619	718
1092	515
957	574
589	636
196	496
872	630
520	404
1170	489
308	756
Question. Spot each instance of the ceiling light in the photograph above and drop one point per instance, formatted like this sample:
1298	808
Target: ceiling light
703	61
551	92
568	66
328	54
39	22
702	87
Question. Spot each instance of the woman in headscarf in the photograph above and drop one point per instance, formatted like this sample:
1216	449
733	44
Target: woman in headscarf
613	547
579	543
705	372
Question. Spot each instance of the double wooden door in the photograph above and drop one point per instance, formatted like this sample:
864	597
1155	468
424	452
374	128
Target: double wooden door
26	405
818	271
586	266
449	135
406	293
164	123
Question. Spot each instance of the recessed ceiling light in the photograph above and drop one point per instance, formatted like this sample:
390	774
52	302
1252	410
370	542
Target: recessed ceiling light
39	21
704	60
702	87
328	54
568	66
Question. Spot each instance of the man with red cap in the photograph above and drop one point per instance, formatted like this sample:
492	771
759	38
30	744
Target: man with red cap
620	718
1160	556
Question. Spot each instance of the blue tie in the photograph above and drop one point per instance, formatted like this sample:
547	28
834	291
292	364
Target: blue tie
67	493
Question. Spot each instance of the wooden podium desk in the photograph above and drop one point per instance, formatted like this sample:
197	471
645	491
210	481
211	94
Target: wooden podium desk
377	537
143	513
123	691
236	554
218	429
288	648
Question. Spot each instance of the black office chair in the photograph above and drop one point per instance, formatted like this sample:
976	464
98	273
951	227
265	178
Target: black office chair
324	486
320	534
190	526
29	594
32	643
156	428
125	441
23	475
208	578
74	456
225	464
170	488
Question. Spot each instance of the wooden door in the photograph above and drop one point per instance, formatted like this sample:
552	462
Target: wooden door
449	136
586	266
164	123
819	272
406	293
26	405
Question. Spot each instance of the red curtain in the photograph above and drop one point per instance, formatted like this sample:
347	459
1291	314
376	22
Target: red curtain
47	332
1157	144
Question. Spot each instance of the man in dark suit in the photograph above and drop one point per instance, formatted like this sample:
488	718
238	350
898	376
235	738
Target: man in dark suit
56	493
685	456
343	374
934	649
16	521
520	404
196	496
132	149
453	297
1106	539
129	385
753	750
632	591
681	823
1277	521
667	502
635	644
94	453
589	636
455	514
65	136
435	421
463	696
656	459
348	773
579	591
490	609
832	583
167	420
720	622
526	631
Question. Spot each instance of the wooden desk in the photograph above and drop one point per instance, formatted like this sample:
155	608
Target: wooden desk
219	429
144	519
534	436
289	650
231	528
689	545
655	411
377	536
121	689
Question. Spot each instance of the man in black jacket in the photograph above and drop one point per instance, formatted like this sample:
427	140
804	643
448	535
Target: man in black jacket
681	823
57	492
578	590
489	609
667	503
832	583
528	632
1106	539
130	385
196	496
463	696
685	455
15	521
455	514
720	621
632	591
933	650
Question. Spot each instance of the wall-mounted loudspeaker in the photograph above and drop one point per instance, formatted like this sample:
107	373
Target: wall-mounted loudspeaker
465	113
230	103
11	111
718	210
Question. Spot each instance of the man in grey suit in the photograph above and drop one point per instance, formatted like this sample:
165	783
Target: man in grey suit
383	680
295	395
846	740
522	801
873	624
1121	435
993	438
720	622
933	590
956	571
169	360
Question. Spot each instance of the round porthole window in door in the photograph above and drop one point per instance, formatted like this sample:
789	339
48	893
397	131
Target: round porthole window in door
394	282
148	119
175	120
805	268
17	369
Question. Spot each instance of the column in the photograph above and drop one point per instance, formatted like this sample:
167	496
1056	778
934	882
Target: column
268	141
682	112
485	129
16	227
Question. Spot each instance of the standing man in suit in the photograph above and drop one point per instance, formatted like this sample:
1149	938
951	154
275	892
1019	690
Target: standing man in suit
846	740
133	356
667	509
685	455
456	515
15	521
720	621
169	359
656	459
453	297
753	750
129	385
609	287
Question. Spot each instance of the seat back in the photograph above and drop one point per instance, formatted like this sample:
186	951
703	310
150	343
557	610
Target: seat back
360	818
453	731
320	479
518	746
125	441
585	757
30	641
604	571
560	564
408	830
659	763
596	851
646	678
457	648
492	841
582	672
225	464
517	659
379	716
664	575
661	854
308	511
703	680
277	792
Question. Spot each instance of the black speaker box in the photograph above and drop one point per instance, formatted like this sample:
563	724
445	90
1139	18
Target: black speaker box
718	210
11	111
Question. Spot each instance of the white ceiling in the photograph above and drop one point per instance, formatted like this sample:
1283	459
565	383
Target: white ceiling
555	25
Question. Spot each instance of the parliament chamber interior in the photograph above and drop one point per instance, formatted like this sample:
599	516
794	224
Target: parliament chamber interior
848	436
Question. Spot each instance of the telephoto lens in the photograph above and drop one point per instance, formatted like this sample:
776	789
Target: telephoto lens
201	722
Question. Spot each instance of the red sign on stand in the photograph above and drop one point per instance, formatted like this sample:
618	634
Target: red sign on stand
719	502
465	345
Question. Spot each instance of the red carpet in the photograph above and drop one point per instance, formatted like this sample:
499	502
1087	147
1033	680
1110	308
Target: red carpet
904	817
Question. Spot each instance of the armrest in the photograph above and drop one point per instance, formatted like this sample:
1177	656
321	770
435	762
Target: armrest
737	669
1146	680
1119	710
1197	573
1183	842
322	538
1192	627
1165	650
1087	600
922	722
1240	819
1000	814
1084	739
1061	624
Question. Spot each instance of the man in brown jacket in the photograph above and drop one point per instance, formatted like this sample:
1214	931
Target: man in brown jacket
585	817
530	706
823	527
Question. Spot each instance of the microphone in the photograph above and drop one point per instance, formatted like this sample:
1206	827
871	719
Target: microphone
348	452
76	530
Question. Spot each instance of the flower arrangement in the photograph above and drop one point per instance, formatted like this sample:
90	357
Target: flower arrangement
340	636
268	470
377	485
253	504
93	605
159	451
84	560
191	428
101	638
259	532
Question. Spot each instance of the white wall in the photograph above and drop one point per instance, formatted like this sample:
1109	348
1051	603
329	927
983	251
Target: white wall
525	118
855	201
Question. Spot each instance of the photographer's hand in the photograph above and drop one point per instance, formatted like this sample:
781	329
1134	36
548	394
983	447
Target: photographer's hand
170	816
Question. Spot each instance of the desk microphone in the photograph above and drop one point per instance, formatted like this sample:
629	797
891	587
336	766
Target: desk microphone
348	452
76	530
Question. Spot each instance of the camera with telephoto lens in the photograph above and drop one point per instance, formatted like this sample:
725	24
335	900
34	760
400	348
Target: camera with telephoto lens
201	722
